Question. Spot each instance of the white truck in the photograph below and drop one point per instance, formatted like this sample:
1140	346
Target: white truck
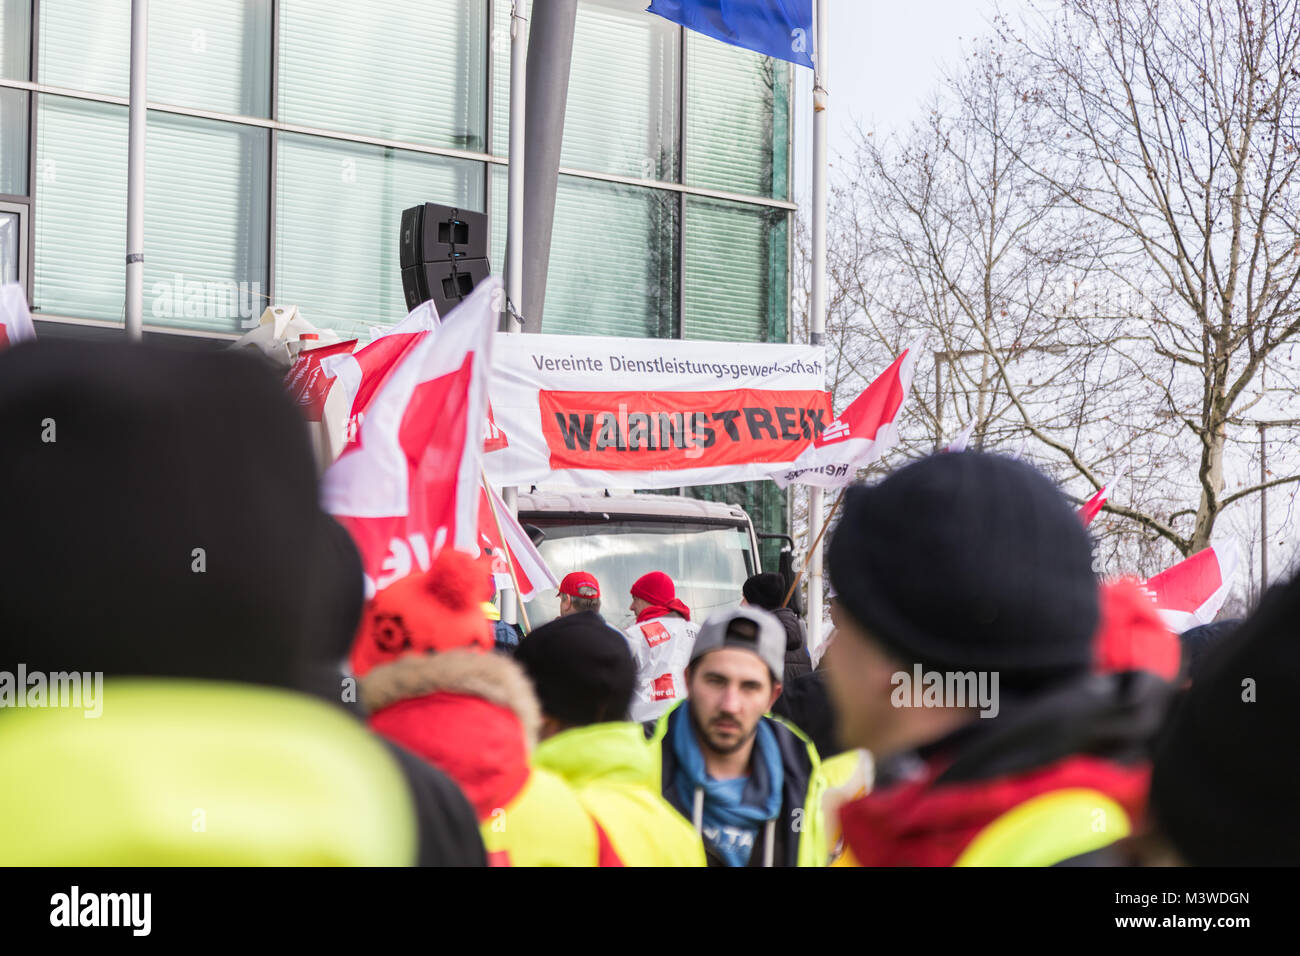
708	548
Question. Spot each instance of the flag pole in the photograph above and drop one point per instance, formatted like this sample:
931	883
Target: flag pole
515	218
808	559
817	318
505	546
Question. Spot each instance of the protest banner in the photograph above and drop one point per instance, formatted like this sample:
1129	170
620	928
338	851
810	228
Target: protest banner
598	412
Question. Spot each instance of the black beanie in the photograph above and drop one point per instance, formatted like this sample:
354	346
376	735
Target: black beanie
1226	777
581	668
766	590
966	561
159	517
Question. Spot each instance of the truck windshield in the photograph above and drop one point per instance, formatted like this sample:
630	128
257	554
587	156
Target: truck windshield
708	563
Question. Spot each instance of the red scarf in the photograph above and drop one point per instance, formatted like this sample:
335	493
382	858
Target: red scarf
655	610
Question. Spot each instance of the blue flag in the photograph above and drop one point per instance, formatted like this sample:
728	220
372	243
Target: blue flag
778	28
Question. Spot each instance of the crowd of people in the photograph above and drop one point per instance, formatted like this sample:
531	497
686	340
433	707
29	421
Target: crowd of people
983	698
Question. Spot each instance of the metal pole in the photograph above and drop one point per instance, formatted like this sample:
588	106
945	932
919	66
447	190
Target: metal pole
1263	516
550	41
135	169
938	403
515	224
515	170
818	304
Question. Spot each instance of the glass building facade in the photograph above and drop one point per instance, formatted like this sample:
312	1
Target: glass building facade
286	136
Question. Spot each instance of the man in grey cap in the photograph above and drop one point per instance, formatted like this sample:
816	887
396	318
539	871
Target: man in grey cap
749	782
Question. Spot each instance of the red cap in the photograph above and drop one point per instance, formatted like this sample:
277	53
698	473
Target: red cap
580	584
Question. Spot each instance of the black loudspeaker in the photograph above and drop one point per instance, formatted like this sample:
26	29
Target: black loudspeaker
443	255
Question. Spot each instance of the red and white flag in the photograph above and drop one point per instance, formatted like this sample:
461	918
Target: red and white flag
310	379
1192	591
530	566
363	373
1092	507
407	482
15	321
862	433
963	438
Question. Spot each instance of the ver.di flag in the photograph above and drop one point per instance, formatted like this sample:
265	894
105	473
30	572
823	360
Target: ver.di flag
530	566
1192	591
778	28
407	482
864	431
15	321
1092	507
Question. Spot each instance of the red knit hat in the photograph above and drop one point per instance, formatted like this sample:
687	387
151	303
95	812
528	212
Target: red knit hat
440	610
657	588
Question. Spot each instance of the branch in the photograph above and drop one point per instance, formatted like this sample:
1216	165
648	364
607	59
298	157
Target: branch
1236	496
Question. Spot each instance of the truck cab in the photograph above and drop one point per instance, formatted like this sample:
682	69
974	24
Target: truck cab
708	548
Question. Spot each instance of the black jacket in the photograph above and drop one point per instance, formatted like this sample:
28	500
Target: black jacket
797	661
805	702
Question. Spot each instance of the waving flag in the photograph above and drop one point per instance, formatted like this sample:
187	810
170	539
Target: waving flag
309	380
530	566
1092	507
1192	591
407	482
15	321
963	438
362	374
777	28
864	431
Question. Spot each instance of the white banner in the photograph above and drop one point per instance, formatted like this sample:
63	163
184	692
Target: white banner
649	413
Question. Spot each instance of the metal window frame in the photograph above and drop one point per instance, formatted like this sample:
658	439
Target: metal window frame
23	207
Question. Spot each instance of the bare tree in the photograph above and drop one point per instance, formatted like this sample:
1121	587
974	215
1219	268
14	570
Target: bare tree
1171	130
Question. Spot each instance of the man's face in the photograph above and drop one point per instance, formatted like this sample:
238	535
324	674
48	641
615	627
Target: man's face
860	677
729	690
639	605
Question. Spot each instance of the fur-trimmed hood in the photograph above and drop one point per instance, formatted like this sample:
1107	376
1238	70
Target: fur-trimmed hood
493	677
473	715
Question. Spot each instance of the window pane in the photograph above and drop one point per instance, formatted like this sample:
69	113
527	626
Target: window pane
621	114
406	70
80	209
10	237
736	272
204	54
613	258
205	229
737	119
337	217
205	217
13	142
15	38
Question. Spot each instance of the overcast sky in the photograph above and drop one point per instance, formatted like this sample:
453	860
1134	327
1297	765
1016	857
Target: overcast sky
886	57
